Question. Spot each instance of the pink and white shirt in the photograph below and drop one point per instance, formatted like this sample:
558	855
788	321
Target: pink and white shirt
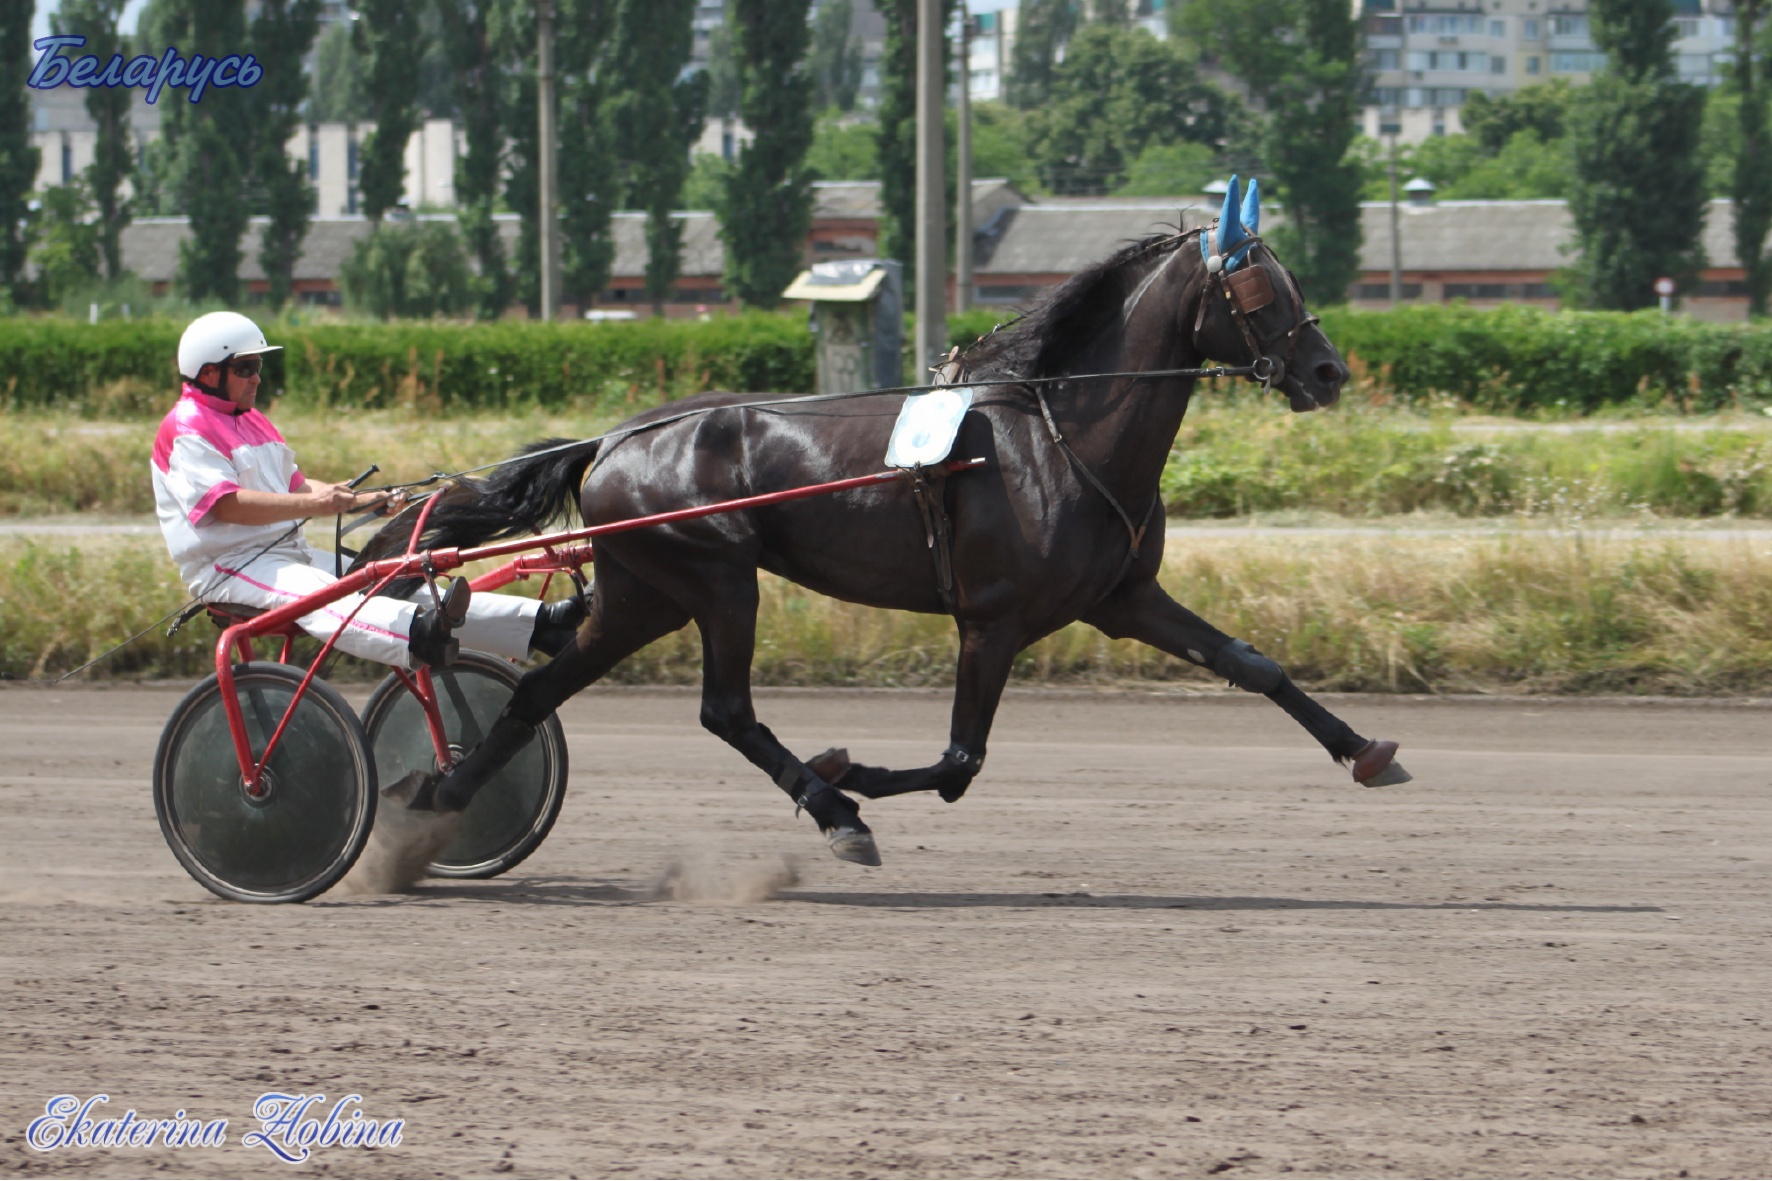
204	451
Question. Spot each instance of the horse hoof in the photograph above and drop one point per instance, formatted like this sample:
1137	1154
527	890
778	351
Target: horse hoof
415	789
830	766
857	847
1375	765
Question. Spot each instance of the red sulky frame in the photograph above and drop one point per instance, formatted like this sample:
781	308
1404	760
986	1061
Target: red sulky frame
559	552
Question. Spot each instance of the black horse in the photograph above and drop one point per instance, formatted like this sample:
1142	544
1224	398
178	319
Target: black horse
1063	524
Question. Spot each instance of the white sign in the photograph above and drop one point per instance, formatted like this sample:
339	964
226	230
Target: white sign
1664	286
926	427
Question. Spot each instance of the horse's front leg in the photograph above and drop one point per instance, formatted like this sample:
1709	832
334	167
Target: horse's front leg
987	652
1143	611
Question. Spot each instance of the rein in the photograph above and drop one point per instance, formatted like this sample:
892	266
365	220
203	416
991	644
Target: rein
1252	370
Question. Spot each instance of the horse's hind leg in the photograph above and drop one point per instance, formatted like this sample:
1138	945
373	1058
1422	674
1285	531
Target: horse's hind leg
1144	611
728	623
625	616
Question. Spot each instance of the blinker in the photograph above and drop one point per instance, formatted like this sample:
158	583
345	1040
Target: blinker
1250	289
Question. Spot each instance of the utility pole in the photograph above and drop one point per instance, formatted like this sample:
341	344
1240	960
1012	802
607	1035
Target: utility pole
1390	126
932	267
963	165
544	101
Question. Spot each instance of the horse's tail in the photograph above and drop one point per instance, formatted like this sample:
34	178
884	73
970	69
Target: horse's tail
524	495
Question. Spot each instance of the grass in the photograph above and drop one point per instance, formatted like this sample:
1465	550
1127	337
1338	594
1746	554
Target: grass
1545	613
1236	455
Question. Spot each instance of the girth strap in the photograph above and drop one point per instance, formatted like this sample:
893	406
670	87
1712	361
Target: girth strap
1134	531
938	531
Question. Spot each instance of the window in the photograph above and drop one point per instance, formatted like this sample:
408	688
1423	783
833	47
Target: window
1532	65
1497	64
1387	96
1577	63
1008	293
1448	61
1568	26
1474	291
1445	26
1384	59
1529	28
1687	26
1497	28
1383	291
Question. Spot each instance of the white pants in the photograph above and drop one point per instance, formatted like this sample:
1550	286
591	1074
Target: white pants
382	629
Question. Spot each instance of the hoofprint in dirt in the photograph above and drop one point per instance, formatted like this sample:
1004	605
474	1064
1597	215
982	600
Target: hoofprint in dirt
1162	936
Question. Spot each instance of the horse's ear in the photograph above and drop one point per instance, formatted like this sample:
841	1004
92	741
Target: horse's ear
1251	216
1230	229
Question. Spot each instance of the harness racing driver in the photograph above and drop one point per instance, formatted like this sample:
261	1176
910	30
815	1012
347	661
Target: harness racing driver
227	490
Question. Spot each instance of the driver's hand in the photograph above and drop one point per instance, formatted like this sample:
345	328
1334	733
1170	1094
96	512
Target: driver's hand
331	498
389	504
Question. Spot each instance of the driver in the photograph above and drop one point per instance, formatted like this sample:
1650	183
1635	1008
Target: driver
228	491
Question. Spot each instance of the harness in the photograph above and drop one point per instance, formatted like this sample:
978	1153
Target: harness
1245	292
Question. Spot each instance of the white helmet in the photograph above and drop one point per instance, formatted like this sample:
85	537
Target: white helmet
212	339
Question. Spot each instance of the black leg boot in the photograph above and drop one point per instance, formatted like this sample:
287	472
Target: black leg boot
556	625
508	736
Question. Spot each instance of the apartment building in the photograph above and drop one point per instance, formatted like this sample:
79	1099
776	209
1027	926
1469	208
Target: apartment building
1426	57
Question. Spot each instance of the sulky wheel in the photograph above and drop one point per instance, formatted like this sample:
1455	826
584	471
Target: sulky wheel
509	817
303	832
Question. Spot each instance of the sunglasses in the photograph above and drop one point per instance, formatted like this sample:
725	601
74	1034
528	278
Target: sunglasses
245	367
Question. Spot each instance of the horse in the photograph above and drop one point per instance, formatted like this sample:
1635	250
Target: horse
1062	524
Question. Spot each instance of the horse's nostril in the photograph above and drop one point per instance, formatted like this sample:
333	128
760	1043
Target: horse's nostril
1330	373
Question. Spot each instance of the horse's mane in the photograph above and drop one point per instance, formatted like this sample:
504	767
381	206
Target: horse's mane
1065	319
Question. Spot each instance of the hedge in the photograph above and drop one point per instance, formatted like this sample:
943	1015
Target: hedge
1512	358
53	361
1519	358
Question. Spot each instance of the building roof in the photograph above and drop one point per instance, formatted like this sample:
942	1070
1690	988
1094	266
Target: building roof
151	244
1062	237
1501	236
859	200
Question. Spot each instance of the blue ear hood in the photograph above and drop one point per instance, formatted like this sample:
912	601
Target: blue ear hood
1237	222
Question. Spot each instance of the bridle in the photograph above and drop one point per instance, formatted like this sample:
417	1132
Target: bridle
1246	292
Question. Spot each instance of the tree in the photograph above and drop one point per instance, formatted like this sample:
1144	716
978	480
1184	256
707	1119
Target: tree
1044	28
388	36
1300	58
835	59
511	27
18	159
590	176
1752	189
408	268
725	87
844	150
1166	170
113	155
209	148
1118	91
654	116
768	202
896	141
1542	108
473	63
66	251
898	130
1637	199
338	94
283	32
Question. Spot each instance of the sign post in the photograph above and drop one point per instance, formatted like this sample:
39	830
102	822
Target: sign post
1664	287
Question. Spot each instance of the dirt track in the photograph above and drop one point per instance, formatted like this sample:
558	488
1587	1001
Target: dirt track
1164	936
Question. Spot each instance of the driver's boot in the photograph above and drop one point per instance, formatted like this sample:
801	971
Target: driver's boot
431	642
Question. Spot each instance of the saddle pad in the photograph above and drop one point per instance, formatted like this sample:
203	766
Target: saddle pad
927	426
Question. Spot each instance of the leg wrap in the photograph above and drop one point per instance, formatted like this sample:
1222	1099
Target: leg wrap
958	767
1246	668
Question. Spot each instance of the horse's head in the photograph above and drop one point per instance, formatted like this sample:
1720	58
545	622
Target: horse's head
1251	311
